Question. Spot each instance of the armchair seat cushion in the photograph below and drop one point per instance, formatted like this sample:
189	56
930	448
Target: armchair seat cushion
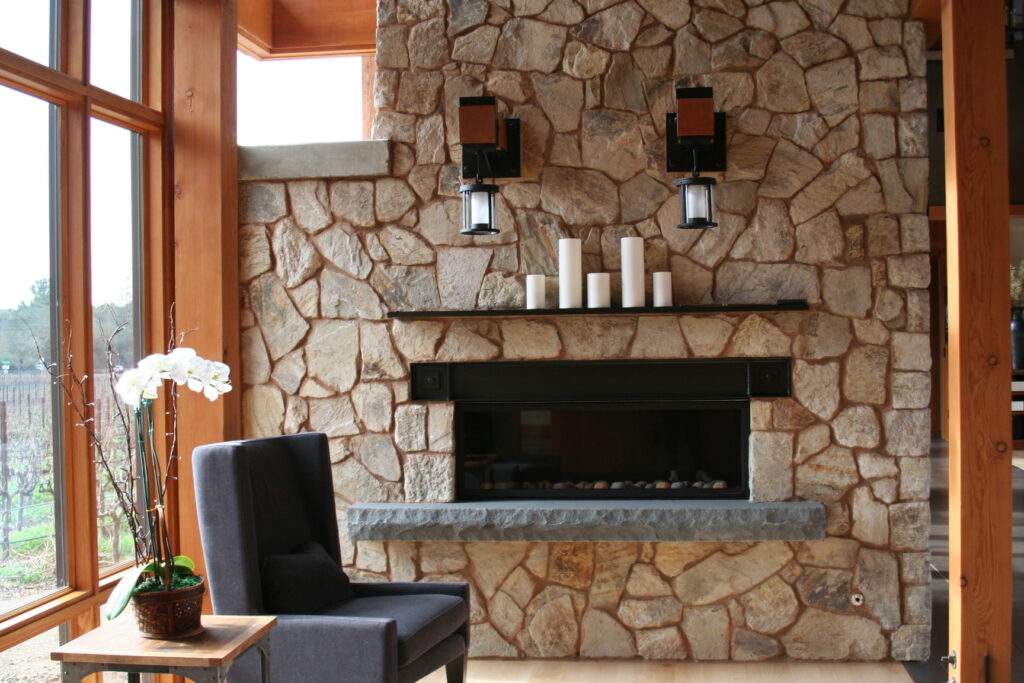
422	621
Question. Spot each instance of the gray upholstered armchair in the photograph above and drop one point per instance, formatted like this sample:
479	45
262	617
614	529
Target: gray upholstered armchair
270	538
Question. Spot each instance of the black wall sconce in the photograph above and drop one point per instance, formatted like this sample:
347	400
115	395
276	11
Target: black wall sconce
490	148
695	141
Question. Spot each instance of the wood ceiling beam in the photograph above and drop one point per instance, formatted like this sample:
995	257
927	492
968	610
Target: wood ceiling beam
930	14
278	29
980	444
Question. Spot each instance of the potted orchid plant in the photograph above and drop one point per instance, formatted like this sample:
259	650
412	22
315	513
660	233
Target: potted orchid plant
166	593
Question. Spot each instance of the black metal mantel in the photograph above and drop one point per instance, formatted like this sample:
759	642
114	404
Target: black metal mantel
778	306
639	380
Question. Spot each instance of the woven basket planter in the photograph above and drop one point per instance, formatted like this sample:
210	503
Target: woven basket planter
170	615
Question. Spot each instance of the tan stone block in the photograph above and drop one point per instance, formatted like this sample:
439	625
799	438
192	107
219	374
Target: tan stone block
658	337
820	635
915	479
770	607
864	379
604	637
612	562
771	464
721	575
870	518
442	557
877	578
552	627
661	644
826	476
672	558
485	641
810	441
835	552
491	563
857	427
707	630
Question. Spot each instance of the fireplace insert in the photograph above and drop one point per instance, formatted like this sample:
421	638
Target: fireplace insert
643	449
601	429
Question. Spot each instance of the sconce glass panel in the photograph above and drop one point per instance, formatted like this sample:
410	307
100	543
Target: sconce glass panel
479	216
697	200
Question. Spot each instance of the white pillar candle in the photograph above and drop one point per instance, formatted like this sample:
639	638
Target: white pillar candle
662	289
633	272
570	273
536	292
599	290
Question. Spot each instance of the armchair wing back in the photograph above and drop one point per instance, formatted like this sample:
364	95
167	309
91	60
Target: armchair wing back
256	498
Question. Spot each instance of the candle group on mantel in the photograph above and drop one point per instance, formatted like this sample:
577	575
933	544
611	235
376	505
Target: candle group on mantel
570	280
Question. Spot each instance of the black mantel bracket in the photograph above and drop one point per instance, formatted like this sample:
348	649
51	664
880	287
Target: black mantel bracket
601	380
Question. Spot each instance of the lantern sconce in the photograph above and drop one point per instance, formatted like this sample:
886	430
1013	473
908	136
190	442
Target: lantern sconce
695	142
490	148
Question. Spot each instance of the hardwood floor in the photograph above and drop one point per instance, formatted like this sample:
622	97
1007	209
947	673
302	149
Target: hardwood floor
531	671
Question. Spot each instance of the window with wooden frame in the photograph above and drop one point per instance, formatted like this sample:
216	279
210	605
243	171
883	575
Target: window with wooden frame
83	176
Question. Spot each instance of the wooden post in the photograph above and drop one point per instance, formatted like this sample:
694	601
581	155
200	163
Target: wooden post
977	235
206	288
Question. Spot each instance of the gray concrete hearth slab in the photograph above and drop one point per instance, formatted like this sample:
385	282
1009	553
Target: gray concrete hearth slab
607	520
357	159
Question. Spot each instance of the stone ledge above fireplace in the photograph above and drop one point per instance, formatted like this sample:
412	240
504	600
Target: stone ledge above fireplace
599	520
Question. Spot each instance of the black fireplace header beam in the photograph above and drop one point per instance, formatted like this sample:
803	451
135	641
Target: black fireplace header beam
684	379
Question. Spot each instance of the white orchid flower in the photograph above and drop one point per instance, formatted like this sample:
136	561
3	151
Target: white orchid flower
131	385
182	366
178	361
198	371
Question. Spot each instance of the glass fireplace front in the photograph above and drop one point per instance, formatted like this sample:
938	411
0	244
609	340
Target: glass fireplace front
645	449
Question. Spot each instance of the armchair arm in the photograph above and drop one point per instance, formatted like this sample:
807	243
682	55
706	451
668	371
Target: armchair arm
458	589
321	648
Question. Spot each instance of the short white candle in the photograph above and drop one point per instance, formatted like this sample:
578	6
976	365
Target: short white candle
599	290
536	291
662	289
570	273
633	272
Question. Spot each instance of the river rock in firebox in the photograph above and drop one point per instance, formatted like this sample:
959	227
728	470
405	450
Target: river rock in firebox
698	484
544	484
661	484
559	485
618	485
600	484
719	484
677	485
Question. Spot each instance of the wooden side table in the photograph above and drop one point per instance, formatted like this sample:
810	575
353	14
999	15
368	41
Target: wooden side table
117	646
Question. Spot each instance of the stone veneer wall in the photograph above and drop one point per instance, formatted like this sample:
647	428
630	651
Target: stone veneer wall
823	199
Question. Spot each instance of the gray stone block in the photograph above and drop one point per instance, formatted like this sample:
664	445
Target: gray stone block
607	520
358	159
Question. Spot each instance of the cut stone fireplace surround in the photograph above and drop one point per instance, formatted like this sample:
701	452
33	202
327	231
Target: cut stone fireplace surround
823	199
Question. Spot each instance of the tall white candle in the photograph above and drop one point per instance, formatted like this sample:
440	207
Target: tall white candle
662	289
536	291
599	290
570	273
632	272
